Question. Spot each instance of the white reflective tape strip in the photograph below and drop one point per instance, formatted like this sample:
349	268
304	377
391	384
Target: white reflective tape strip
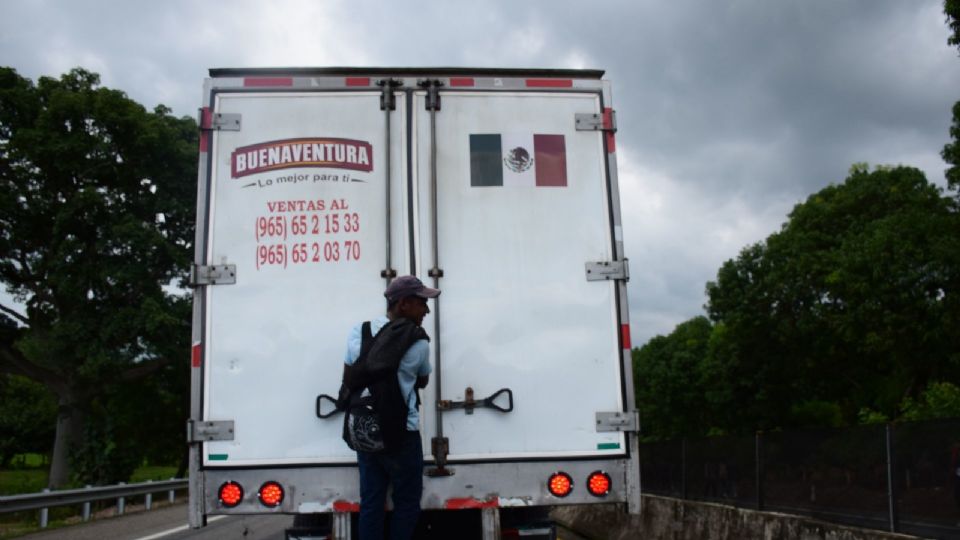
618	233
175	530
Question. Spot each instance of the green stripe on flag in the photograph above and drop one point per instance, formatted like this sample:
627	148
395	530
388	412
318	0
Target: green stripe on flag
608	446
217	457
486	161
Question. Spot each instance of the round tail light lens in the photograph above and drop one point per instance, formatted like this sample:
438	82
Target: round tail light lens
271	494
230	494
560	484
598	484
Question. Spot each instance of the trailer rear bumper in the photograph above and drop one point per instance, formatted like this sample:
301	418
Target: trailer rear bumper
472	486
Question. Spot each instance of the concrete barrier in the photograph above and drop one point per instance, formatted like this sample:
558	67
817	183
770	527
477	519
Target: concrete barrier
665	518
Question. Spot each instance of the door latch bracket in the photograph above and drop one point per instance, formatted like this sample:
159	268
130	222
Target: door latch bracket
607	270
469	403
211	430
618	421
214	274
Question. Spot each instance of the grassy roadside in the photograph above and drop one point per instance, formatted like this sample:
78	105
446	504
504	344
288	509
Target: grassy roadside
31	477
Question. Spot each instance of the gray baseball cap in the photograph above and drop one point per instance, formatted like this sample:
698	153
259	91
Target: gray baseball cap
405	286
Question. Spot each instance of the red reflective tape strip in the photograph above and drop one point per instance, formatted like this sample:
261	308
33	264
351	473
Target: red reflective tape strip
470	503
549	83
196	354
268	81
206	118
625	335
611	136
462	81
345	506
358	81
607	118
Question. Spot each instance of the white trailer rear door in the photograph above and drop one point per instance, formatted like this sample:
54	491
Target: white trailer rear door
517	310
298	204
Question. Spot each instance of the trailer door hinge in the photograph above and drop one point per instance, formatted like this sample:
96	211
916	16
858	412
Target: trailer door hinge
387	100
220	121
216	430
214	274
618	421
596	122
607	270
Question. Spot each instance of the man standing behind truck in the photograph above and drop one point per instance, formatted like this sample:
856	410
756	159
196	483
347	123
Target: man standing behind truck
402	465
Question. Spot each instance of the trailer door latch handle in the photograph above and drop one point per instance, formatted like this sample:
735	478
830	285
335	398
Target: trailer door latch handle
320	399
469	404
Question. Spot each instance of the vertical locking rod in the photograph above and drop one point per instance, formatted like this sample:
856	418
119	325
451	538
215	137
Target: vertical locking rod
388	103
440	446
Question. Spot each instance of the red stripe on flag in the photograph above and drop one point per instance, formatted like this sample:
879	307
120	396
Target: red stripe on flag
611	136
625	336
462	81
196	354
549	83
267	81
550	160
358	81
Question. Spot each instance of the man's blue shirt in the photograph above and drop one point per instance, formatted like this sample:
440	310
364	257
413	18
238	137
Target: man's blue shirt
415	363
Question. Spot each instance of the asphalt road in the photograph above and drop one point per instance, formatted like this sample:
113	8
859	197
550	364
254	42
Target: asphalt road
170	523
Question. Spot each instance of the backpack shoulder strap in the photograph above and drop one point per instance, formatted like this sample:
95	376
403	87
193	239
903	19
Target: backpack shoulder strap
366	339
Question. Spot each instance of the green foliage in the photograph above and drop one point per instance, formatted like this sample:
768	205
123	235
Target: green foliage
868	416
951	8
951	151
939	400
816	413
96	213
853	304
668	385
152	472
17	481
28	414
105	456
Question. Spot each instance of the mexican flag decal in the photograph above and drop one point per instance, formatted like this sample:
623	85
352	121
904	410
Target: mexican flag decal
518	159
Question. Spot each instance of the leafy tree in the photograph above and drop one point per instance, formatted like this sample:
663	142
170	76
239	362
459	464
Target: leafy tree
853	304
939	400
951	152
28	414
96	204
951	8
669	385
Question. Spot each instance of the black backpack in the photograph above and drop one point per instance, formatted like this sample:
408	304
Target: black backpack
375	412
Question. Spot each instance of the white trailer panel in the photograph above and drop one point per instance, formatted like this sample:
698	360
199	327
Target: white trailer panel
517	310
314	188
309	245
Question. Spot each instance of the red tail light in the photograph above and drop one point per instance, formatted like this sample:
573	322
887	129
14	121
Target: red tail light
560	484
598	483
230	494
270	494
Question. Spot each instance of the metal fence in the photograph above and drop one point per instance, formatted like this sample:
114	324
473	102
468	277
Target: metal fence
83	497
897	477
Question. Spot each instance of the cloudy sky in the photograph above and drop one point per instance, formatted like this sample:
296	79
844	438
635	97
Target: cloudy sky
729	111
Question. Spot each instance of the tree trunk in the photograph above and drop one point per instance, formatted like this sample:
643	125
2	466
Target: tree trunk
69	431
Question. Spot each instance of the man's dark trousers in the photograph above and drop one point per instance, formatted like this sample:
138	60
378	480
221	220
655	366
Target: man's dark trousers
402	467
